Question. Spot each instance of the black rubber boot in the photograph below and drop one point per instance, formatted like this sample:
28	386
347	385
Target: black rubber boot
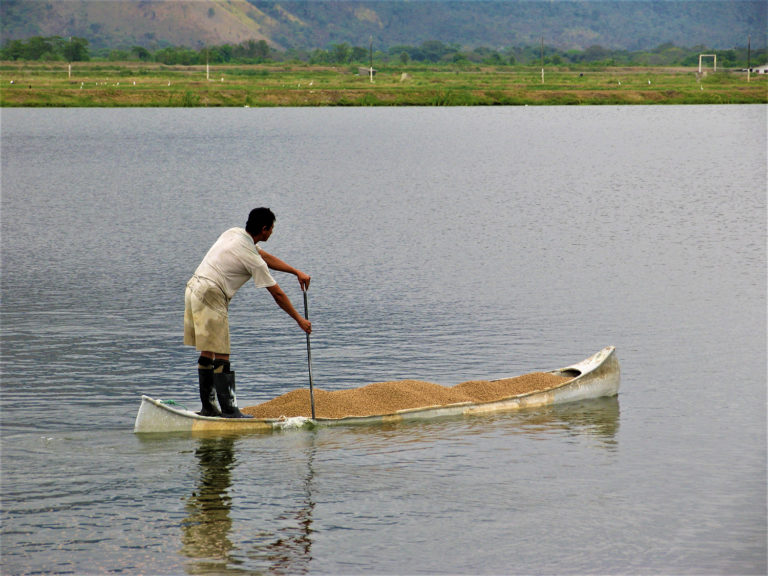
207	393
224	382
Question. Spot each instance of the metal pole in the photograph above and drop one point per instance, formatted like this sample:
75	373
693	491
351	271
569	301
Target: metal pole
309	359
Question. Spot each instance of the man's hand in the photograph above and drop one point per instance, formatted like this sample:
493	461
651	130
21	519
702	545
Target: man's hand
275	263
303	280
305	325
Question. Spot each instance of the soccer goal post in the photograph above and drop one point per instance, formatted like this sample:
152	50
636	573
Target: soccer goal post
714	59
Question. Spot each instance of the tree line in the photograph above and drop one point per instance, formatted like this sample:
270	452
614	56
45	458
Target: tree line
435	52
72	49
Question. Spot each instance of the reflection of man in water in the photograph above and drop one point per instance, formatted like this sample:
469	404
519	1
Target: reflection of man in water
269	543
205	531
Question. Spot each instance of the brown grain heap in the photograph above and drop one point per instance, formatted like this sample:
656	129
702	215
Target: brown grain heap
390	397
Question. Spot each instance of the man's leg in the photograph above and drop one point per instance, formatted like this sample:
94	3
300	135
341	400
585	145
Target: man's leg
206	326
207	390
224	382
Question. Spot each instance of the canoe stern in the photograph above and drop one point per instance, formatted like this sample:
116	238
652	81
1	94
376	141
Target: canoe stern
159	416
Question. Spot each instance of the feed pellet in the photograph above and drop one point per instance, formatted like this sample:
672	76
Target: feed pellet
389	397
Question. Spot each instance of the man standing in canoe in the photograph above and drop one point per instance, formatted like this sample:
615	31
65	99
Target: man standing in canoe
233	259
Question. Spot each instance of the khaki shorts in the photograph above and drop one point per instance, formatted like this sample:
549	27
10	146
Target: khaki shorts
206	323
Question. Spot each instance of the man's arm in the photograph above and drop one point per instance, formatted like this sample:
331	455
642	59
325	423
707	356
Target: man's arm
275	263
285	303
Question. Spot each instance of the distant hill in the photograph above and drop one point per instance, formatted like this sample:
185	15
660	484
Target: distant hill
125	23
310	24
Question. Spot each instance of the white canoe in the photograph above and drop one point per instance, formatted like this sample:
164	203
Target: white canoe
594	377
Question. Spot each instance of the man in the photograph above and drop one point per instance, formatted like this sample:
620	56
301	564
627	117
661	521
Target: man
232	260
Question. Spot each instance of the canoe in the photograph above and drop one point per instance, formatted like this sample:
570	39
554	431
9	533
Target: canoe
594	377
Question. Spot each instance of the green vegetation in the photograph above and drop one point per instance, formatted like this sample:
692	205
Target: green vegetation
46	49
111	84
57	72
438	53
55	48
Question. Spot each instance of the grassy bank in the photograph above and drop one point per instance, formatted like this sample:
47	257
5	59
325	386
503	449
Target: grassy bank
99	84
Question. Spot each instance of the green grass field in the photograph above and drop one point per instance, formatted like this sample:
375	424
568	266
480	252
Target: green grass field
102	84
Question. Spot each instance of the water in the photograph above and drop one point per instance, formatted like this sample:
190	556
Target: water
445	245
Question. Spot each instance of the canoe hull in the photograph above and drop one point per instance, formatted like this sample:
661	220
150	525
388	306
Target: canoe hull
594	377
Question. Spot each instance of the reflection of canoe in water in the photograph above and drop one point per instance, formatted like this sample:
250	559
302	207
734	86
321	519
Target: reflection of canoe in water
595	377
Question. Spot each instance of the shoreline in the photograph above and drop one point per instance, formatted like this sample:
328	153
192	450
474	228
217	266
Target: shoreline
136	84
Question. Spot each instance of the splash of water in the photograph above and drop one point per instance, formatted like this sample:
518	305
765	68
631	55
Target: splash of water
291	423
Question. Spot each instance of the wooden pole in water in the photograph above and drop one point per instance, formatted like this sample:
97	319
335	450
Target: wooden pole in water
309	360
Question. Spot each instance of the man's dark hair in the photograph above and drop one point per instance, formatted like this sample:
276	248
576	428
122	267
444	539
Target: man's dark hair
258	219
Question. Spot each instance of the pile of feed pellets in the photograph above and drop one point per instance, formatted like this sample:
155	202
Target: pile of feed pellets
384	398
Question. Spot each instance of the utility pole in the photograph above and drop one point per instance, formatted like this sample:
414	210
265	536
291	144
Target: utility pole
370	52
542	59
749	56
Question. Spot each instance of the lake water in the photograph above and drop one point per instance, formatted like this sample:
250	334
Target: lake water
445	244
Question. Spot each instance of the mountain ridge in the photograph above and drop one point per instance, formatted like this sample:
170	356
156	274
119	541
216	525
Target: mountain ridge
311	24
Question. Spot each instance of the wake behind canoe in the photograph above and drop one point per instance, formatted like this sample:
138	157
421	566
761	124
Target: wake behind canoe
594	377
